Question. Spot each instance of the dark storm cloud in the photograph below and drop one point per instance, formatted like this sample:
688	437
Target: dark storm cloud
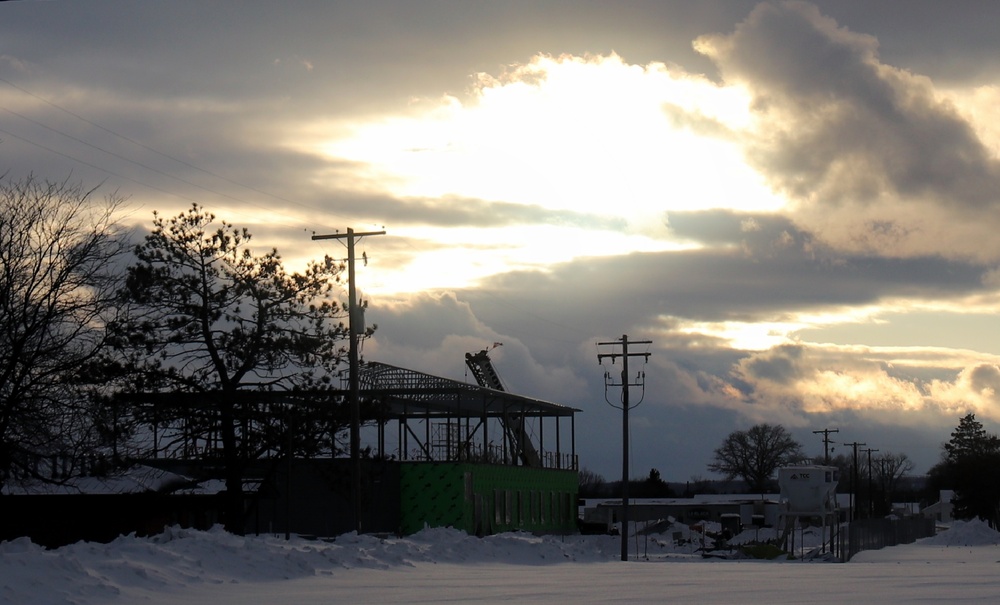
844	127
337	54
318	55
985	378
205	82
694	396
726	227
777	365
952	43
763	274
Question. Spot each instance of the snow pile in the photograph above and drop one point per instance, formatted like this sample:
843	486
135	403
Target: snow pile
180	558
180	561
965	533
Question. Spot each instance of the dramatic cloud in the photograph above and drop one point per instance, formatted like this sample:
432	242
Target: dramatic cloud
798	210
874	155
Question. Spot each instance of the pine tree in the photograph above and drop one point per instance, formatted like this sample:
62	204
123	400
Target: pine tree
212	318
972	466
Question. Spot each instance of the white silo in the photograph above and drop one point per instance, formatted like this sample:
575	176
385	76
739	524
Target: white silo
808	488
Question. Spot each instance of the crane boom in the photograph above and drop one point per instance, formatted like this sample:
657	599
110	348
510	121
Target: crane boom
486	376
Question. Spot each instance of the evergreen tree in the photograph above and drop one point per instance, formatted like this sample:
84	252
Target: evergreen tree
970	465
216	322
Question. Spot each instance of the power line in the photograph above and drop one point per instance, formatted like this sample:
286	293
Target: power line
355	329
94	166
119	156
826	443
142	146
854	479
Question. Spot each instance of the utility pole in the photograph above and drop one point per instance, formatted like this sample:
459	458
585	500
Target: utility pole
854	479
356	328
871	501
826	443
624	384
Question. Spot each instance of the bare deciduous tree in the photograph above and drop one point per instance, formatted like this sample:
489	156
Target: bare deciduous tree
59	275
888	469
755	454
591	482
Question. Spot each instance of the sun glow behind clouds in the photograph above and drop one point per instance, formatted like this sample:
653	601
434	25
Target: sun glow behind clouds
586	134
764	335
592	135
471	255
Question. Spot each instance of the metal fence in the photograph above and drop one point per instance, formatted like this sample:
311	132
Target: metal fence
873	534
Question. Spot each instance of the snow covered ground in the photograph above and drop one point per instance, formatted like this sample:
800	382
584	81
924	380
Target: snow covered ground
443	565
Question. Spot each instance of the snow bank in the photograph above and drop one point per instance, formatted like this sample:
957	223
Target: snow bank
965	533
180	558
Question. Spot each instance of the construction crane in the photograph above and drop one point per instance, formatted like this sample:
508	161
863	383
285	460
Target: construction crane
486	376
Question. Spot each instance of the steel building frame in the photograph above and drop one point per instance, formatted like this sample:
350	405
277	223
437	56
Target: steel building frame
435	419
461	421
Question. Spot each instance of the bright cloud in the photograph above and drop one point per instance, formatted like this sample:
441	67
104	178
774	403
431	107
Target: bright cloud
457	257
591	135
792	382
873	156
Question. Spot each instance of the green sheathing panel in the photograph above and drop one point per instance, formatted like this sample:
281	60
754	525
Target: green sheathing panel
487	499
432	494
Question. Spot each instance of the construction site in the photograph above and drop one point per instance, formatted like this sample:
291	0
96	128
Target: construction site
435	452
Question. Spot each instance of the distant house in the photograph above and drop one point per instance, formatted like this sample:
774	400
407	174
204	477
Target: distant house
942	509
751	509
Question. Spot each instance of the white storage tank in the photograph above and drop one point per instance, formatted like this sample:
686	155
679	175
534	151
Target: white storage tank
809	488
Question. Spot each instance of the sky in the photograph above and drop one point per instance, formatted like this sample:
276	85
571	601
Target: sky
792	202
441	564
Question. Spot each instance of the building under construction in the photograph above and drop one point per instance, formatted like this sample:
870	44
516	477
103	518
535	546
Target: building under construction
437	452
475	457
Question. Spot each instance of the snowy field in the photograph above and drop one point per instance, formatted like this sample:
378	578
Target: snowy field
446	566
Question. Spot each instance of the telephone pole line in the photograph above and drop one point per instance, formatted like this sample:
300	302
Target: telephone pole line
854	479
826	443
871	501
624	384
355	327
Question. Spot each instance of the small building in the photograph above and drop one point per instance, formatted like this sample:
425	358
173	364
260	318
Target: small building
742	510
941	511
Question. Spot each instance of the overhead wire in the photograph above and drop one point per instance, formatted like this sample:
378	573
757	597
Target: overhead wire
94	166
115	155
144	146
495	297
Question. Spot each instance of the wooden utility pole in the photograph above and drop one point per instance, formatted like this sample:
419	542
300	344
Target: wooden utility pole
356	328
871	501
826	443
854	480
625	384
